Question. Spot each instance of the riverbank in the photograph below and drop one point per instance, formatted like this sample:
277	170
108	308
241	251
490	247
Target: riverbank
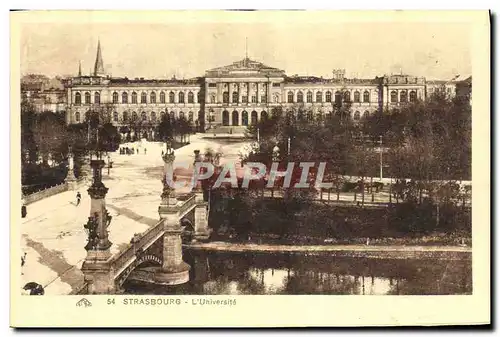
367	251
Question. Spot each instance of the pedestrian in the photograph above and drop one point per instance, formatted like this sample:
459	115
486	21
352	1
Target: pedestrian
24	211
145	150
78	198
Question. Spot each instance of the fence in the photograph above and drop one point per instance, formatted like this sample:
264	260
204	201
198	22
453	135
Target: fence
30	198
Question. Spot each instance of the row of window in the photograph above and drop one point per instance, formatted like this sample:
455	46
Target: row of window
339	97
144	98
403	96
144	116
236	98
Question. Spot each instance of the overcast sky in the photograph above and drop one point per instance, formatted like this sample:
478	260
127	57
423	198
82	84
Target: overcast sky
436	51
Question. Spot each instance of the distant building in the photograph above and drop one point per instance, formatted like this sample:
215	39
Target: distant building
45	94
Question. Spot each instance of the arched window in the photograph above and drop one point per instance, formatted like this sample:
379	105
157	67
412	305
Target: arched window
87	98
413	96
124	98
357	115
366	96
300	97
253	117
225	117
394	96
134	98
77	117
366	114
309	97
78	98
347	96
87	115
115	116
153	116
290	97
181	115
172	115
319	96
162	97
235	97
144	117
338	98
144	97
181	97
152	98
134	116
403	96
225	97
263	115
244	118
190	97
97	98
115	98
328	97
125	116
190	116
356	97
171	97
309	115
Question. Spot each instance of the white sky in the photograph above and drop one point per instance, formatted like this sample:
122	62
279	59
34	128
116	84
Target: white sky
433	50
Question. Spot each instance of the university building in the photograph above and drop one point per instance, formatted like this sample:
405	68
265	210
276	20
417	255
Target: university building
238	94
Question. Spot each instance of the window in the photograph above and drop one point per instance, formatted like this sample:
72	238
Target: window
77	117
212	85
87	98
413	96
319	97
152	98
309	97
134	98
448	90
235	97
328	97
78	98
347	96
115	116
115	98
181	115
124	98
190	97
300	97
357	116
181	97
190	116
309	115
171	97
97	98
338	98
134	116
263	98
356	97
403	96
290	97
366	114
244	99
394	96
153	117
225	97
172	115
254	99
125	116
366	96
162	97
144	117
212	98
276	85
144	97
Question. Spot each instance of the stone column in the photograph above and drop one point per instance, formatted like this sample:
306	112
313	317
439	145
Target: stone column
97	267
230	92
70	178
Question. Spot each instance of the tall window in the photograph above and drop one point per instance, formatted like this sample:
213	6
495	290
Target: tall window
190	116
290	97
97	98
319	97
328	97
356	97
115	116
338	98
413	96
134	98
394	96
144	116
77	117
162	97
190	97
171	97
134	116
263	99
124	98
244	99
144	97
181	97
366	96
254	99
403	97
300	97
87	98
115	98
347	96
225	97
78	98
125	116
235	97
153	116
152	97
366	114
357	115
309	97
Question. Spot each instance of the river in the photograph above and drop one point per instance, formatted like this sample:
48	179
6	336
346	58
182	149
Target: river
226	273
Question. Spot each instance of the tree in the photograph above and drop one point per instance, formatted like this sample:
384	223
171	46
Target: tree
51	137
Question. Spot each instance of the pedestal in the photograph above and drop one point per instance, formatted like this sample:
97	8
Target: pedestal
98	272
201	230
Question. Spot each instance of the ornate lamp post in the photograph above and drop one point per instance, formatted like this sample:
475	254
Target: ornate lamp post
168	196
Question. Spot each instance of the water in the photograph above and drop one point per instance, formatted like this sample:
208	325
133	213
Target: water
222	273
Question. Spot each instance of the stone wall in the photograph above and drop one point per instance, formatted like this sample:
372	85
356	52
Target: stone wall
31	198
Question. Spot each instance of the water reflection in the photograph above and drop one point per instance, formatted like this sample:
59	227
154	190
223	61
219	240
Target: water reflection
258	273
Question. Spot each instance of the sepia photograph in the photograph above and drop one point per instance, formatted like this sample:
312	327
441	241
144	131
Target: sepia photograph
225	153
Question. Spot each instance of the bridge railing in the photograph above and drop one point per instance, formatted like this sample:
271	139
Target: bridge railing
188	204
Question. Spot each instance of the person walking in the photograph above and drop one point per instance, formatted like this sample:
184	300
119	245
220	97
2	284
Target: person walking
78	198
